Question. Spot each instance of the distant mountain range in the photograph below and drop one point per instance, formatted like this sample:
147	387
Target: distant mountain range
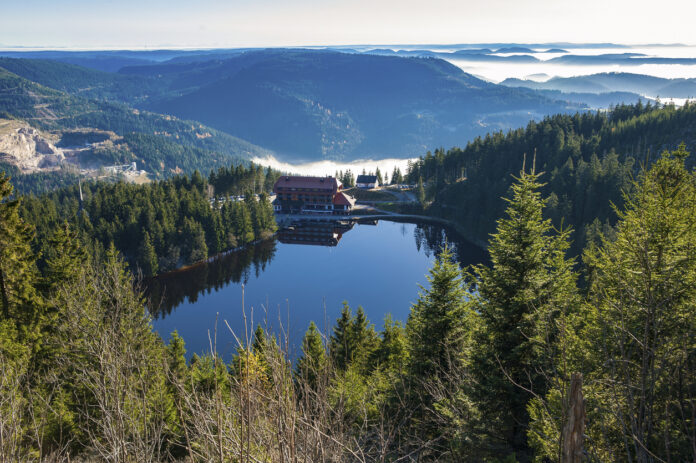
307	104
613	82
114	60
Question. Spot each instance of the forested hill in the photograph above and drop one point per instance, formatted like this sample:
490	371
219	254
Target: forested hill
162	145
588	159
329	105
162	225
313	104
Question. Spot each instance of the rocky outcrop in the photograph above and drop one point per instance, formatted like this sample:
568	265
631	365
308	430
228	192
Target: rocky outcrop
26	148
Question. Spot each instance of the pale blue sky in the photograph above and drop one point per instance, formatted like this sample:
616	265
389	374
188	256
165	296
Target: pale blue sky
234	23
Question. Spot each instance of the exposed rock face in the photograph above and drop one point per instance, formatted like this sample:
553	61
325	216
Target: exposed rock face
27	148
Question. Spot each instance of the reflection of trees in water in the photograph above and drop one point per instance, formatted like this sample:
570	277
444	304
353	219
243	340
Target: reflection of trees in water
431	237
165	292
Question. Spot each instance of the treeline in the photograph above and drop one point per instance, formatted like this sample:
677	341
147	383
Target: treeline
589	159
156	227
238	179
479	372
38	182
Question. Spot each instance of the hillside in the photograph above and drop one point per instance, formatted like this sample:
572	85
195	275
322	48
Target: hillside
588	159
160	144
614	82
327	105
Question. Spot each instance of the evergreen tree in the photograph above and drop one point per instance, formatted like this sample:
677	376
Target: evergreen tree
362	341
148	256
438	333
65	257
437	325
519	298
311	365
392	351
640	322
339	343
420	192
19	299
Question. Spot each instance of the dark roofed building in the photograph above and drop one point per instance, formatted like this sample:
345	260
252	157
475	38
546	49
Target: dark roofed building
310	194
366	181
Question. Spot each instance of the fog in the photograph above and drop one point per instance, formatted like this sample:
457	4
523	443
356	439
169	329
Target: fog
499	71
322	168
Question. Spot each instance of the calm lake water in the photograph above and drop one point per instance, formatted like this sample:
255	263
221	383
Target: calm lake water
288	282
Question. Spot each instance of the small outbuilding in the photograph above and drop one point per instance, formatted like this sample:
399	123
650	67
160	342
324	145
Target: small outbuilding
366	181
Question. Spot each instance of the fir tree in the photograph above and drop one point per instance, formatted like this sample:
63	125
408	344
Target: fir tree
420	192
519	298
438	333
640	322
311	365
148	256
339	343
19	299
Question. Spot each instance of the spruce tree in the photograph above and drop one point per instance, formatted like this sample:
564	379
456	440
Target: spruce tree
339	343
640	321
438	333
529	284
311	365
438	323
19	299
362	341
148	256
420	192
65	257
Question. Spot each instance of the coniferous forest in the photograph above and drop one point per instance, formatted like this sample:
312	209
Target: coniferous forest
488	366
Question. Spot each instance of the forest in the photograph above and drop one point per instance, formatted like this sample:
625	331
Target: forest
481	370
588	160
162	225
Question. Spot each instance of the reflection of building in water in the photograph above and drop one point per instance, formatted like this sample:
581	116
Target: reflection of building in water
319	233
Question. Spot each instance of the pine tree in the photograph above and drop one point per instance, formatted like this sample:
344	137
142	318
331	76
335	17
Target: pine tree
519	299
420	192
641	320
148	256
19	299
311	365
438	333
339	343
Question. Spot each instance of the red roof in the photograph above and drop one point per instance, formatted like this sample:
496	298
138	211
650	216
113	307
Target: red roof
342	199
320	183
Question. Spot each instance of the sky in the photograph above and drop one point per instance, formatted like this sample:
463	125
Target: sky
151	24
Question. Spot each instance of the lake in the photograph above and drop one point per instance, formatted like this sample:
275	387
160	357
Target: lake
303	274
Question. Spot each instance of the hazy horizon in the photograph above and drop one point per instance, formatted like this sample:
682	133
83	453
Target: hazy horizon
274	23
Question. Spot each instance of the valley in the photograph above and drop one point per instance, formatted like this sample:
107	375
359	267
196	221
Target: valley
372	253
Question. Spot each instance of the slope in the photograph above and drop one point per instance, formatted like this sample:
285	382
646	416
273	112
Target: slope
162	144
326	105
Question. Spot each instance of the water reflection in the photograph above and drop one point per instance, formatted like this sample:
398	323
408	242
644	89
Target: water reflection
168	291
315	233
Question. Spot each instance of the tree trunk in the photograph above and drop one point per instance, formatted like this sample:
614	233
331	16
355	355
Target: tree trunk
574	429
